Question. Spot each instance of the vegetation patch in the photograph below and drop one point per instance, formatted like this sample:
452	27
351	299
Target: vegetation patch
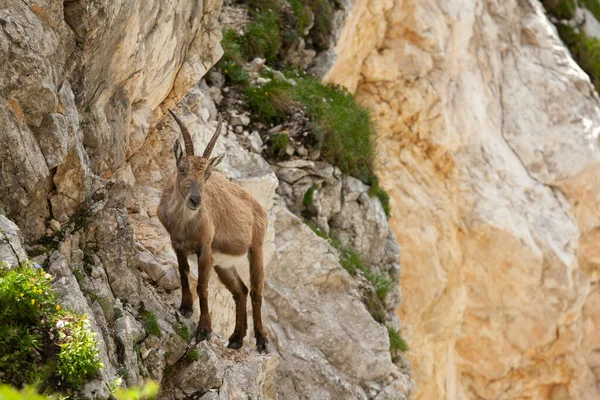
191	355
38	339
396	341
150	323
183	331
308	196
561	9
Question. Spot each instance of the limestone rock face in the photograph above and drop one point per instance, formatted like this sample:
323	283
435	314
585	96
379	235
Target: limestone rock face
490	153
80	86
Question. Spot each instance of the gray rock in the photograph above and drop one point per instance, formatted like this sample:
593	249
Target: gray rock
11	250
204	373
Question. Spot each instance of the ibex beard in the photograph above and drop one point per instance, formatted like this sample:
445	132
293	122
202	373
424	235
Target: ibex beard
204	213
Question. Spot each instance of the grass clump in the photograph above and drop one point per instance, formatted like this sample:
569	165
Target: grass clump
593	6
308	196
561	9
183	331
348	129
384	198
38	339
191	355
150	323
396	341
277	145
263	37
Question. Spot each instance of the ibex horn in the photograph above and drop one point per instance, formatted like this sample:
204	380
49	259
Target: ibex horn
213	140
187	138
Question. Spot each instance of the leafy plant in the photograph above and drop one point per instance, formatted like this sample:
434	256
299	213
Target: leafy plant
308	196
396	341
277	145
78	359
150	323
148	391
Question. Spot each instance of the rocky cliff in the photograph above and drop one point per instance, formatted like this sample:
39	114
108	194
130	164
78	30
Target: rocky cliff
84	153
489	149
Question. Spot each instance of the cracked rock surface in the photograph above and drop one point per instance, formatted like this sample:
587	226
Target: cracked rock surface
489	151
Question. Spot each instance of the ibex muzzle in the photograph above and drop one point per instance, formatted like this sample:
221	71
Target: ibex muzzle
225	218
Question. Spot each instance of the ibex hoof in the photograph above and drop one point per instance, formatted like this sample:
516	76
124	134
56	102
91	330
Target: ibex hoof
186	311
202	335
262	345
235	341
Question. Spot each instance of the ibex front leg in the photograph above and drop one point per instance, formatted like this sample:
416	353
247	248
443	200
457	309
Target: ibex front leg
205	262
187	304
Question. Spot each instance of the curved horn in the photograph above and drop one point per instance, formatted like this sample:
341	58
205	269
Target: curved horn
213	140
187	138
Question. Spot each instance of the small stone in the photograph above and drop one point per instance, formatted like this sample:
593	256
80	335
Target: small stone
275	129
302	151
55	225
314	154
239	119
225	90
289	150
239	129
260	81
255	65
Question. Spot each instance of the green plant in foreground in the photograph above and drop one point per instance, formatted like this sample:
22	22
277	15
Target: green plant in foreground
150	323
396	341
78	359
28	393
308	196
148	391
28	312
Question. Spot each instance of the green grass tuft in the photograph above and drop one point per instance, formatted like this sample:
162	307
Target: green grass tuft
396	341
150	323
384	198
263	37
183	331
308	196
276	145
191	355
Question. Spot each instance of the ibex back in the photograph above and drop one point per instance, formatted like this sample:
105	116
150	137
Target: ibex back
205	213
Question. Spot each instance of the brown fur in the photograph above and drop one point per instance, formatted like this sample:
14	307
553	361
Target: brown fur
228	220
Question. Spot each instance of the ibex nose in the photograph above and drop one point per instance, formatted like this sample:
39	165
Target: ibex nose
195	201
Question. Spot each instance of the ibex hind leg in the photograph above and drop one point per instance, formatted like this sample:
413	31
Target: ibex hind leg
232	281
257	276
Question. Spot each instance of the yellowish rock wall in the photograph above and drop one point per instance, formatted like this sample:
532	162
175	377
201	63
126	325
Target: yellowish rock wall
489	150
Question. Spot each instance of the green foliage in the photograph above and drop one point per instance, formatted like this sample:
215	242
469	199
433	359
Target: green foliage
183	331
561	9
585	50
28	393
396	341
384	198
78	359
27	304
308	196
276	145
148	391
29	312
191	355
592	5
150	323
348	129
263	37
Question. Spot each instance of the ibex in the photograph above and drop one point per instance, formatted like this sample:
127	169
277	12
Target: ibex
205	213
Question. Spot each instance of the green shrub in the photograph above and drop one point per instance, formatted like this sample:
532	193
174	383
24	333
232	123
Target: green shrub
28	393
150	323
78	359
396	341
148	391
263	37
562	9
29	312
592	5
27	305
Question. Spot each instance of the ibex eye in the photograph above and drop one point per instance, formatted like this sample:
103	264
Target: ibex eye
181	169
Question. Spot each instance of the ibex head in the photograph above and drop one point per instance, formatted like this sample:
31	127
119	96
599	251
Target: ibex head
192	170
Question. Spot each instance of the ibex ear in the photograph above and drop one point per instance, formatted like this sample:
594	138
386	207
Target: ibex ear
177	151
216	160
